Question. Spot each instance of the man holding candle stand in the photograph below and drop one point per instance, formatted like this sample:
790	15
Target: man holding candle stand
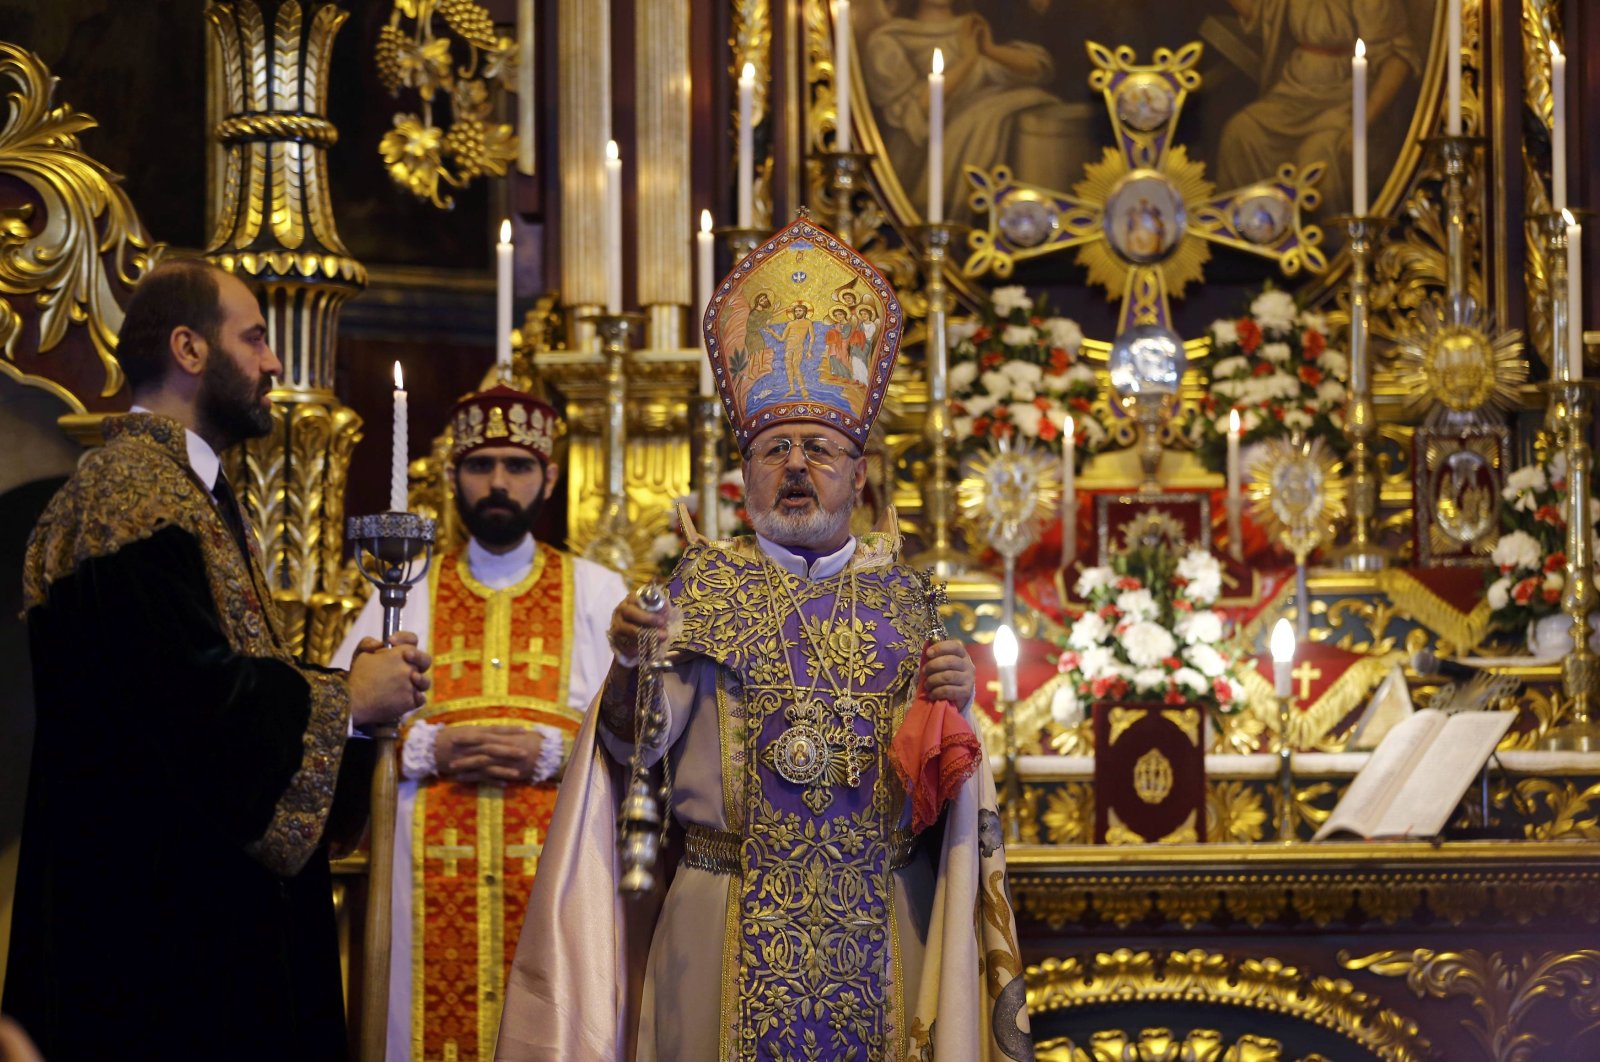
173	892
519	632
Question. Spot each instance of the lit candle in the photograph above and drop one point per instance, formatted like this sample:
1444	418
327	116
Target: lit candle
841	72
936	139
613	228
1358	126
1558	129
1574	296
1233	457
1453	68
1069	446
704	260
1283	657
747	149
397	472
502	301
1005	662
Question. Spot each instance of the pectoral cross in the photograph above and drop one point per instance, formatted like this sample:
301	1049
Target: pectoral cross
528	851
457	655
536	659
1144	215
452	852
1305	674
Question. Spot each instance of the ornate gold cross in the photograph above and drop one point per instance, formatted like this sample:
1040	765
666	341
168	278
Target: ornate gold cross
528	851
455	656
452	852
536	659
1305	674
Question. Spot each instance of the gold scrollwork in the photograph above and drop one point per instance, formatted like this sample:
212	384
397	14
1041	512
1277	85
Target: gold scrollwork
1263	984
410	55
1541	28
1152	777
1502	990
57	254
1069	814
1234	811
1201	1045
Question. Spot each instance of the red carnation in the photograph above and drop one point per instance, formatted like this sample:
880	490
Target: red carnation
1080	403
1552	595
1109	612
981	334
991	359
1311	375
1068	661
1048	429
1313	342
1172	663
1173	696
1523	592
1127	582
1261	368
1220	687
1555	562
1249	334
1059	360
1549	514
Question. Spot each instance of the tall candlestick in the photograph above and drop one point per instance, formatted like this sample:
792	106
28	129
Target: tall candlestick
936	139
502	301
1558	129
747	148
1282	645
1358	130
841	72
613	228
397	471
704	259
1233	457
1574	297
1453	68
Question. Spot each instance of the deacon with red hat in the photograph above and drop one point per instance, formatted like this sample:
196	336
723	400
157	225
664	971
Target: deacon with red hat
519	633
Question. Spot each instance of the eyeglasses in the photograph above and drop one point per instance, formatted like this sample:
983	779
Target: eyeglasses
483	465
818	452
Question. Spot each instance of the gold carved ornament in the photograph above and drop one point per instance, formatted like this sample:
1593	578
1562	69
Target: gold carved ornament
56	255
1297	493
1109	979
1503	990
424	157
1007	494
1456	362
1161	1045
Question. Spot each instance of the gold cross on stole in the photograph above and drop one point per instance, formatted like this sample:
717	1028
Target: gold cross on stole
536	659
456	655
528	851
1305	674
452	852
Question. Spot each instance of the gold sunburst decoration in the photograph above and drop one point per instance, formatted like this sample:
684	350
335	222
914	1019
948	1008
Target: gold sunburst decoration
1453	359
1007	493
1297	494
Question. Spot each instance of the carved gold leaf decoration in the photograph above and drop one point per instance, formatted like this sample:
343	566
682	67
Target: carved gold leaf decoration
1163	1045
1262	984
55	253
1503	990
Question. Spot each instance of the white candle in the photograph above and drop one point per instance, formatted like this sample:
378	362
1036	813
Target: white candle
1005	662
397	471
747	149
1358	126
1558	129
1283	657
525	95
1574	297
502	301
936	139
1233	457
613	228
704	260
841	72
1069	445
1453	68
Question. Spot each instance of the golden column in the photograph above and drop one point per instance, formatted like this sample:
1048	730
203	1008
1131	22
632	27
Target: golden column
273	227
663	170
583	111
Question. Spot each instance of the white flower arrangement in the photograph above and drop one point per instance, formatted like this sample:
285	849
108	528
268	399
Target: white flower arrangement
1149	633
1529	561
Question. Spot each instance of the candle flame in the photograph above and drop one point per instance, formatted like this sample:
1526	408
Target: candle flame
1005	647
1555	50
505	230
938	60
705	221
1233	422
748	73
1567	218
1068	429
1361	48
612	154
399	378
1283	642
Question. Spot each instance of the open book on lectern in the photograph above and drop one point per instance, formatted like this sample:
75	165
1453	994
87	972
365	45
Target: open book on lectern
1417	775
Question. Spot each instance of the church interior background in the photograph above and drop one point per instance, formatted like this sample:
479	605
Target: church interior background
1143	216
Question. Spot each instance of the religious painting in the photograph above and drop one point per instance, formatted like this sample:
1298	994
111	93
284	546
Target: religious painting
1274	87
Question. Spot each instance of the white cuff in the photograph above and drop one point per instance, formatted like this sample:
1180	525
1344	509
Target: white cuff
552	752
416	757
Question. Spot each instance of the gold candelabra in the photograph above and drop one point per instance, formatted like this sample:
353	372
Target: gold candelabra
740	242
938	429
609	544
1285	769
1364	553
1580	669
710	432
846	176
1012	786
1458	154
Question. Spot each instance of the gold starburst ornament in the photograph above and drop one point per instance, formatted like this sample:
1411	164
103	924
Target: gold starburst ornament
1007	493
1453	360
1297	494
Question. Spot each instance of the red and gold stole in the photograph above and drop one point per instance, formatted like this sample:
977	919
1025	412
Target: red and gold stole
499	656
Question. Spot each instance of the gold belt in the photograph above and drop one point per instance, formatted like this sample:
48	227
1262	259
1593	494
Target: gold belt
718	850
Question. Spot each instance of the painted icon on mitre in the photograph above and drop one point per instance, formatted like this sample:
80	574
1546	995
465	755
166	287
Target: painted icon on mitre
803	330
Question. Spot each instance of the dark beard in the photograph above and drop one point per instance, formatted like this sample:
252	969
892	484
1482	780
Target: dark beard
497	521
230	406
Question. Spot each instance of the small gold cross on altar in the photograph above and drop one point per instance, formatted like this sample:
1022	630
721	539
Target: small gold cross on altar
452	852
528	851
455	656
1305	674
536	659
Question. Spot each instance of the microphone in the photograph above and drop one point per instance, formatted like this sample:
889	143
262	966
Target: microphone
1428	662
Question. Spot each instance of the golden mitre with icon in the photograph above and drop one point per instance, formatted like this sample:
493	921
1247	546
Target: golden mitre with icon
803	330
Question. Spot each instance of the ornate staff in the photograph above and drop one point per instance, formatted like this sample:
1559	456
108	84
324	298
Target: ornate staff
393	551
640	823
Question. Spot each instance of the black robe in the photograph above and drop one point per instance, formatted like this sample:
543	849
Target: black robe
173	898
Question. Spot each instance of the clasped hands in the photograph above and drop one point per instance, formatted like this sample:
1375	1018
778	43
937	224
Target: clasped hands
386	682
